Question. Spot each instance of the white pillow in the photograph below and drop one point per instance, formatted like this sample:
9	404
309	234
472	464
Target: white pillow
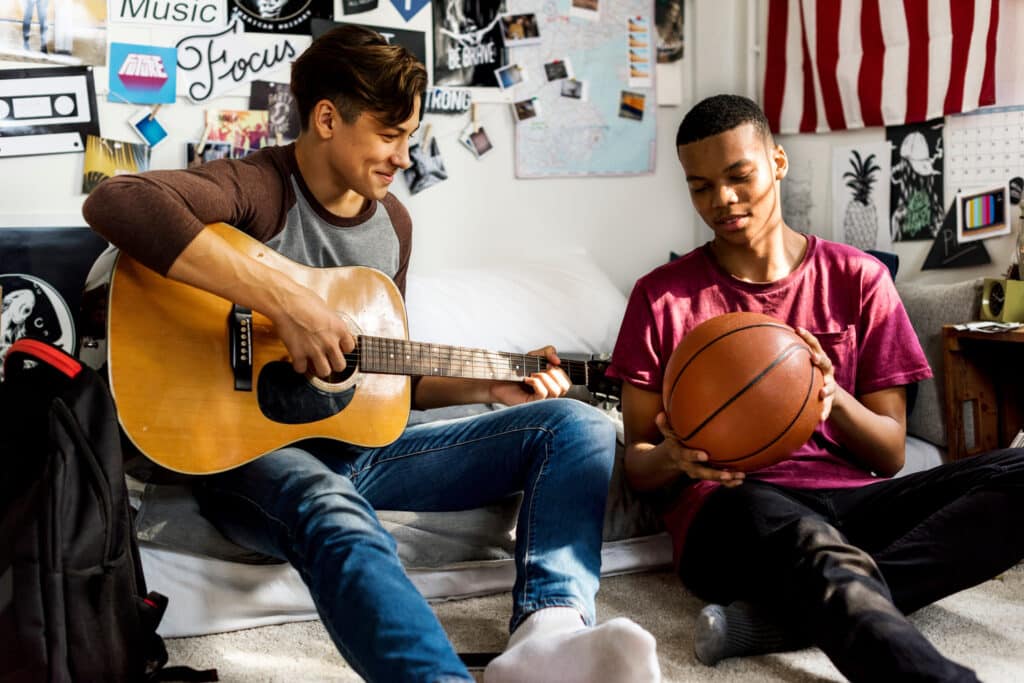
518	306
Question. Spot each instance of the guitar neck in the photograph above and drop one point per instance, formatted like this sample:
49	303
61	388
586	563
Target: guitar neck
402	357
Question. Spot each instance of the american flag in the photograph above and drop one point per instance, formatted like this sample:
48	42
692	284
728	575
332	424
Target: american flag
841	64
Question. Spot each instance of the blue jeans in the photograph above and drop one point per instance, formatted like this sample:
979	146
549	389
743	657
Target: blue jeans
314	506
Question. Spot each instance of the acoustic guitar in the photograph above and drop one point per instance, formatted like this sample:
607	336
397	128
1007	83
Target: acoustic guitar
203	386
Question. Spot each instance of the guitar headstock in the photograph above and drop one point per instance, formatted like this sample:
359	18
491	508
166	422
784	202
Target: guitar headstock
603	388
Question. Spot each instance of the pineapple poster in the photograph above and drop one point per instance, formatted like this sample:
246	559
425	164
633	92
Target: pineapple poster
860	196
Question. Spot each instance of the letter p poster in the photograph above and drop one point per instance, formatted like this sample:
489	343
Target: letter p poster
142	74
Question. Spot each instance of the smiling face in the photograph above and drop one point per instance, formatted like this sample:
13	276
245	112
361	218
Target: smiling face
366	154
733	179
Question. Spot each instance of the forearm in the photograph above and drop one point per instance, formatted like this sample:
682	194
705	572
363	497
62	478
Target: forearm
878	441
649	466
211	264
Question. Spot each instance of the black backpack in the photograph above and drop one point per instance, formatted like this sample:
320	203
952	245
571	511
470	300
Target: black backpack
73	600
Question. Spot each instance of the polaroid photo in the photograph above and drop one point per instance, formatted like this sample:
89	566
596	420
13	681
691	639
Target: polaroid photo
524	110
210	151
585	9
631	105
574	89
147	127
476	140
558	69
519	29
510	76
981	214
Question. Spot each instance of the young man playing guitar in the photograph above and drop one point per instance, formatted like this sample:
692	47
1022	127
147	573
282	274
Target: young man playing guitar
324	202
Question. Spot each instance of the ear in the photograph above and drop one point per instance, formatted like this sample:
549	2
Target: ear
780	162
323	119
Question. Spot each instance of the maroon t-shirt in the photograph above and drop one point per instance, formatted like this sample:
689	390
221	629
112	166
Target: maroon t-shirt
841	295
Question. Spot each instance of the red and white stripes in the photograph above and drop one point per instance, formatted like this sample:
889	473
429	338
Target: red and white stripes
841	64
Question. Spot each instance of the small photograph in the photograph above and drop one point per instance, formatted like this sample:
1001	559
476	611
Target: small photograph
106	158
510	76
585	9
520	29
525	110
577	90
248	129
558	69
145	123
282	111
210	151
631	105
476	141
427	167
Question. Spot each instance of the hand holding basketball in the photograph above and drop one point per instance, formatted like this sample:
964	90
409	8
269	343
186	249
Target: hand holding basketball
691	462
746	389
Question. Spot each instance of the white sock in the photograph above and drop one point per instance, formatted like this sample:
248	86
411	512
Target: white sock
553	645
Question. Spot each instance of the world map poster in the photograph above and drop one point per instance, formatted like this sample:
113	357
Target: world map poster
597	115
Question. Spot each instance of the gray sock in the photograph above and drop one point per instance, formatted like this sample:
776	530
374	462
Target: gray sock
740	630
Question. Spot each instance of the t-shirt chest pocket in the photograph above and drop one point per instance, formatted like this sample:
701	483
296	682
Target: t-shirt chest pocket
841	348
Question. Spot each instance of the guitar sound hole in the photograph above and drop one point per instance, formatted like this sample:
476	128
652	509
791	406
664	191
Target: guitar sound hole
339	377
290	398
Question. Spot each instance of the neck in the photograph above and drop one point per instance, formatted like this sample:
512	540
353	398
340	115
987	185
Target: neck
768	257
312	158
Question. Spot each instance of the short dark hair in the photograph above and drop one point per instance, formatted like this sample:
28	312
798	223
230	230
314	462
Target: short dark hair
719	113
358	70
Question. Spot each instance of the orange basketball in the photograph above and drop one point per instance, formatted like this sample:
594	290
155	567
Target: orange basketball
742	387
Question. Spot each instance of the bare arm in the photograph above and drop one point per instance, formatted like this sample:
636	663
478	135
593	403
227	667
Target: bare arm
654	457
873	428
312	332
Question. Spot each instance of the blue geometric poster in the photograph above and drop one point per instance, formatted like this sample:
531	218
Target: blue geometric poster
142	74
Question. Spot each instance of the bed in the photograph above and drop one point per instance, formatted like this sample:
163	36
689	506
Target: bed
216	586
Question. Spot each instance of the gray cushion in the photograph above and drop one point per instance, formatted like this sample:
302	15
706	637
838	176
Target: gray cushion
930	307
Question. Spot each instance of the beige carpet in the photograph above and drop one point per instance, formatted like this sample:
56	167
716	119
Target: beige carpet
982	628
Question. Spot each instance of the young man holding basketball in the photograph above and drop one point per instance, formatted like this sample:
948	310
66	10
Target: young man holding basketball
823	548
324	202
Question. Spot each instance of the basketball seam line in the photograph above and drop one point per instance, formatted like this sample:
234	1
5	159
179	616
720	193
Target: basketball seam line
779	359
702	349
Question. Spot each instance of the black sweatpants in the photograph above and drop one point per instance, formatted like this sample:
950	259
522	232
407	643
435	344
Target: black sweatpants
843	566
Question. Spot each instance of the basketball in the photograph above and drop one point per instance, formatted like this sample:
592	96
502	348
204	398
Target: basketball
742	388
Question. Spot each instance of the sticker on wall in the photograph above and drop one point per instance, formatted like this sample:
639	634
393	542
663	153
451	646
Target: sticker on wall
447	100
279	16
106	158
41	276
277	100
46	111
409	8
201	59
180	13
142	74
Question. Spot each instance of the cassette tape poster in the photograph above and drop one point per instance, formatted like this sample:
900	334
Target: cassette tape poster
46	111
66	32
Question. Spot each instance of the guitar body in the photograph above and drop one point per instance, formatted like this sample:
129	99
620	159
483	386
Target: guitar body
171	376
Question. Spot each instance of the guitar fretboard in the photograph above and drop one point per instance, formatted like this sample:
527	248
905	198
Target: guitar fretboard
402	357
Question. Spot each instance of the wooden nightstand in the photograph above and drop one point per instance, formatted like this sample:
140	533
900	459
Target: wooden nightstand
984	405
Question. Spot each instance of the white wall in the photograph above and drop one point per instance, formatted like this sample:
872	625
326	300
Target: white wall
482	212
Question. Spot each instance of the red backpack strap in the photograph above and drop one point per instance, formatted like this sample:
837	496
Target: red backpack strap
44	353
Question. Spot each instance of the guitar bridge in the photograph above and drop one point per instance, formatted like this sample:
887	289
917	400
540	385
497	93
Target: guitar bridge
240	346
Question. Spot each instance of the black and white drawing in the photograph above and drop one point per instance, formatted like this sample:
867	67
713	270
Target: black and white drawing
917	199
860	196
468	44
